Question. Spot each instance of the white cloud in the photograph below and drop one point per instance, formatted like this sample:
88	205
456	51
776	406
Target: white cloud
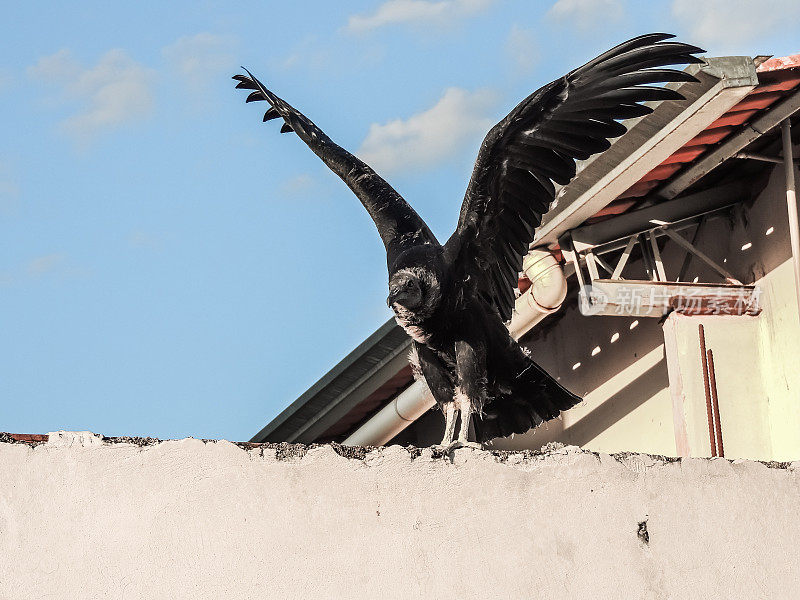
395	12
308	53
522	49
431	136
719	25
48	267
143	239
298	185
43	265
333	57
586	14
200	58
115	91
58	68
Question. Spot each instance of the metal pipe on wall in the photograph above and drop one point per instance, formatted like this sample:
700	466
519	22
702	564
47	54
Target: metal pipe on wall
402	410
791	204
715	399
707	389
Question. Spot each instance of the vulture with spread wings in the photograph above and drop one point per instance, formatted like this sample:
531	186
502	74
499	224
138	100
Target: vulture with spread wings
454	299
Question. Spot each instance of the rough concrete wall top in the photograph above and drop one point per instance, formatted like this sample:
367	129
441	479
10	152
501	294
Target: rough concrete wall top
83	517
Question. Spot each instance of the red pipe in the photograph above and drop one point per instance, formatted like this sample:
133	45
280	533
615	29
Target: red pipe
715	399
709	410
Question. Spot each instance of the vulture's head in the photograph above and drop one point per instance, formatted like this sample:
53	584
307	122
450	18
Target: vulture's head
405	289
414	289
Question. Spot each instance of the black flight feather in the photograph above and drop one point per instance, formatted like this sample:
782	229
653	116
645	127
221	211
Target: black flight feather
572	118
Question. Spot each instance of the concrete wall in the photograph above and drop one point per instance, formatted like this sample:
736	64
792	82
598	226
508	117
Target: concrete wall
84	518
628	403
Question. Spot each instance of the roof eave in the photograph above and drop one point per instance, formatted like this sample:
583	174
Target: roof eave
278	428
649	141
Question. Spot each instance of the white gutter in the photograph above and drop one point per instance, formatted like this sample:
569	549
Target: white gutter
545	296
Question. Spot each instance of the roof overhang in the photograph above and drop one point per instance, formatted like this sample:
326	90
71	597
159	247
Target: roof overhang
672	211
723	82
728	148
353	380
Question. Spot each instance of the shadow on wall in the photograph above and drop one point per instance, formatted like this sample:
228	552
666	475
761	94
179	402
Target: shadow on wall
628	399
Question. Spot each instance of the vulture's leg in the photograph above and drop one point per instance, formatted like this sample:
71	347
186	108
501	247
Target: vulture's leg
449	423
439	382
470	391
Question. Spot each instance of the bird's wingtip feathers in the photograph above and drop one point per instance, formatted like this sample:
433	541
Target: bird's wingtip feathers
277	108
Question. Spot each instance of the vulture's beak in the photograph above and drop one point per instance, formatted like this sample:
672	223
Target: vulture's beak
396	294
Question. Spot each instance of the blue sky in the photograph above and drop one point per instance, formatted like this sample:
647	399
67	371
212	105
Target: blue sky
169	266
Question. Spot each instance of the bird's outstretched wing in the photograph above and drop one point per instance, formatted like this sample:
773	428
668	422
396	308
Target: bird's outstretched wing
399	226
537	144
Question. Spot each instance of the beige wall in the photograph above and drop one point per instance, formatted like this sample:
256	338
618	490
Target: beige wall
628	404
743	400
80	518
758	377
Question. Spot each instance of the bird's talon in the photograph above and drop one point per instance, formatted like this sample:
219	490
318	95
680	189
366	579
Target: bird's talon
444	448
456	444
466	444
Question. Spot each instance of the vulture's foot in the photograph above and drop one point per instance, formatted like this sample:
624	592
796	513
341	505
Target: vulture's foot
455	444
448	443
466	444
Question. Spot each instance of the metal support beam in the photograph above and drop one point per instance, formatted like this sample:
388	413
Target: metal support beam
623	260
647	258
673	211
591	266
778	160
791	204
568	249
603	264
661	275
701	255
687	260
731	146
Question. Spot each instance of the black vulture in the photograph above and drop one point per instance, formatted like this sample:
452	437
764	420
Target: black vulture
454	299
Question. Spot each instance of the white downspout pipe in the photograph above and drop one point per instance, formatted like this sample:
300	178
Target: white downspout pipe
545	296
405	408
791	204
